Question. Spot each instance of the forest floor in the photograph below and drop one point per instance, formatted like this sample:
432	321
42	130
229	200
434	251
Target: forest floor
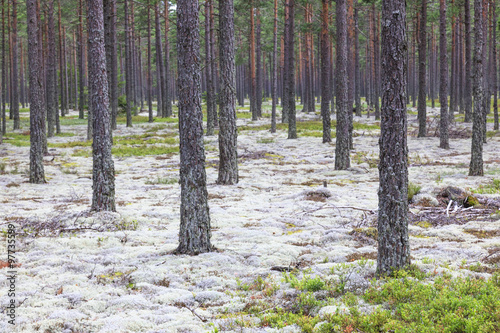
290	251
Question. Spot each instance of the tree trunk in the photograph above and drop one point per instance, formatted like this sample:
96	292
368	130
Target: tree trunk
325	74
476	163
168	97
4	84
422	105
128	67
290	71
228	166
159	64
81	62
111	56
393	240
275	69
208	71
443	85
14	104
103	174
51	101
37	175
494	77
258	65
357	75
149	78
253	78
342	160
61	63
194	233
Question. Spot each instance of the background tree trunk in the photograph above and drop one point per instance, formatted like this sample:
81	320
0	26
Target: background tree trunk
325	73
14	105
290	87
275	69
51	98
128	67
194	234
393	240
208	71
111	56
228	166
422	86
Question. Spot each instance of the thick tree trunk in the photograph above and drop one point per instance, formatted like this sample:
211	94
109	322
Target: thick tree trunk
103	174
393	240
443	84
325	74
476	163
422	101
228	156
194	233
14	105
342	159
37	175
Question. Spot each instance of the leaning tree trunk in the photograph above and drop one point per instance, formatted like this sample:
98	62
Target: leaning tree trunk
36	96
228	166
393	240
443	83
422	86
476	162
194	233
342	160
325	74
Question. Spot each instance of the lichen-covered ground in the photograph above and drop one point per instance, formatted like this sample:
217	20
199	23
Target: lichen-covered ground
113	272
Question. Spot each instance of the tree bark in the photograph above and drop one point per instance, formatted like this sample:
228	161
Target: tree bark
422	84
37	175
476	163
14	105
168	97
159	64
342	159
228	156
4	76
325	73
290	87
111	56
443	85
494	77
258	65
51	96
128	67
208	71
194	233
253	77
103	174
393	240
149	78
357	75
275	69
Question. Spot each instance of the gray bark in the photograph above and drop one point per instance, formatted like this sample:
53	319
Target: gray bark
422	84
393	240
194	233
468	65
51	101
228	166
325	74
111	56
14	103
290	86
443	83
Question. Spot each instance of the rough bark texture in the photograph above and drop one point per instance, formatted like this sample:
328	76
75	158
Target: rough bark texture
14	102
168	98
258	65
194	233
51	96
253	78
80	62
342	160
228	166
208	71
128	67
160	64
103	174
290	87
357	74
36	96
325	74
468	65
422	85
443	83
494	76
149	78
476	162
393	240
274	87
111	56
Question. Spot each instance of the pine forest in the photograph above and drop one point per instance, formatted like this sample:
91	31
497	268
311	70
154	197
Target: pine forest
186	166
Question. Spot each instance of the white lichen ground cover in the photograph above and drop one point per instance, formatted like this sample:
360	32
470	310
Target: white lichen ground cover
118	275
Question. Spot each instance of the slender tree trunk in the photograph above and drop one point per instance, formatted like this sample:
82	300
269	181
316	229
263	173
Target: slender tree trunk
37	175
51	101
258	65
81	62
111	57
214	65
194	234
422	105
432	69
443	85
325	73
468	65
290	71
103	174
228	166
128	67
393	239
149	78
208	71
494	77
253	78
3	129
476	163
168	97
159	64
14	105
21	74
61	62
342	159
275	69
357	75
